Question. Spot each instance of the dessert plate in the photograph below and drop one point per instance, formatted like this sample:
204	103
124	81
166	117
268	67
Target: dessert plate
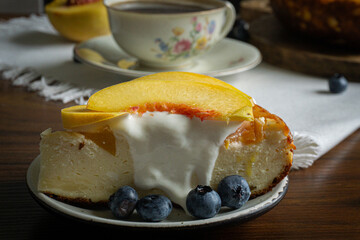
176	220
227	57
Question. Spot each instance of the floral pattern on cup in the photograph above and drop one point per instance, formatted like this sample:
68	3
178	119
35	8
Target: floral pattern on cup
180	45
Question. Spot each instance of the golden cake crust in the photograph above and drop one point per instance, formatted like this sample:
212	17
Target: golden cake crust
80	202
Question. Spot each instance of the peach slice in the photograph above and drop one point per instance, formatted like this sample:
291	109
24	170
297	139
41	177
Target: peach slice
90	55
78	116
187	76
78	22
199	98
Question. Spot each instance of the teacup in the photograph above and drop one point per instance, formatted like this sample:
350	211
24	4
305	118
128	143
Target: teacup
169	33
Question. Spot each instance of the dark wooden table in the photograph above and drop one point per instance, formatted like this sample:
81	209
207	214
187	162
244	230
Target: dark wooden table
322	202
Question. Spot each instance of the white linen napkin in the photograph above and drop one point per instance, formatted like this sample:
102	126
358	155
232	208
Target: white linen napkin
33	55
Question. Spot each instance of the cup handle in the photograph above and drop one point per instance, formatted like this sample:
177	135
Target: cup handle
230	19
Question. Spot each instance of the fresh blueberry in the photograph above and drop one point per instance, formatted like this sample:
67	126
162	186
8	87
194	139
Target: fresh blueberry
338	83
234	191
154	208
203	202
122	203
76	60
240	30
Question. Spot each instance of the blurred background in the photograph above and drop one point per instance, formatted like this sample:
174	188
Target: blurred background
21	7
319	38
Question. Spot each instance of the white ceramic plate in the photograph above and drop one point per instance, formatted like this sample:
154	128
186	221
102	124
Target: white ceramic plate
177	219
226	58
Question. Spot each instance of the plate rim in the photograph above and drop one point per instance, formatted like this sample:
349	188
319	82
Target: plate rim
233	216
140	73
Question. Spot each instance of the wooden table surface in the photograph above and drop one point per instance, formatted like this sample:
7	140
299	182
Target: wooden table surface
322	202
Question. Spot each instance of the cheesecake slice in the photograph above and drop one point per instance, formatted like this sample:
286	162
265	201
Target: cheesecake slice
82	168
163	149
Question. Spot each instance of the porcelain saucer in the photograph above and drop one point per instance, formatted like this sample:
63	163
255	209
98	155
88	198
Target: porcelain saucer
226	58
176	220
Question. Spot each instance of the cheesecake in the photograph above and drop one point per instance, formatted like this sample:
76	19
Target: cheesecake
167	147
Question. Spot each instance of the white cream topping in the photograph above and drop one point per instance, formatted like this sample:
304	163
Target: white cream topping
172	152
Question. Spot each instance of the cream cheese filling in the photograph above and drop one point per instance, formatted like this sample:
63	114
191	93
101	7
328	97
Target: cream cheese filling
172	152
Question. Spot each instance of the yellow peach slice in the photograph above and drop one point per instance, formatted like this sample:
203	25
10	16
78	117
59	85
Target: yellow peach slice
90	55
78	116
187	76
78	22
191	98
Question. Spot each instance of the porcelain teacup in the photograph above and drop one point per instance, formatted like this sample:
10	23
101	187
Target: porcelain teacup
169	33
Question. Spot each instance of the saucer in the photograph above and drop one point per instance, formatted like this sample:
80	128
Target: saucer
226	58
176	220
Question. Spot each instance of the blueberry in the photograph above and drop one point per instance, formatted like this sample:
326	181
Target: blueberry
203	202
234	191
122	203
338	83
240	30
154	208
76	60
